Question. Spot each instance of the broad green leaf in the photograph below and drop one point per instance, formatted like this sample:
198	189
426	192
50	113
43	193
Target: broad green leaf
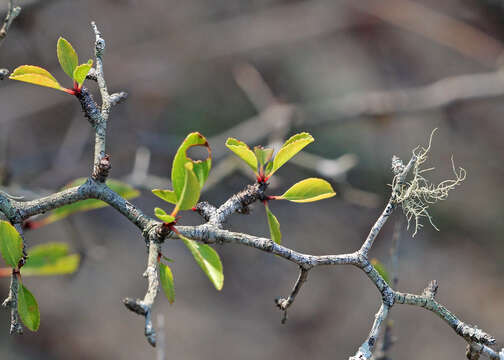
123	189
67	57
166	195
35	75
28	308
263	155
274	226
290	148
382	270
81	71
243	152
208	259
191	191
50	259
163	216
201	168
11	244
308	190
166	277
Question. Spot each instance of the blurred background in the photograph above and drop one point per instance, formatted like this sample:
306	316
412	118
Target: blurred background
369	79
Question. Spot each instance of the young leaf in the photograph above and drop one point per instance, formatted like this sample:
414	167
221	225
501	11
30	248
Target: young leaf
166	195
290	148
123	189
208	259
274	226
28	308
81	71
382	270
308	190
263	155
67	57
67	264
243	151
166	277
35	75
163	216
201	168
11	244
191	191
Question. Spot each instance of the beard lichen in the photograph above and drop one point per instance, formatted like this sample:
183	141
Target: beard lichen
417	194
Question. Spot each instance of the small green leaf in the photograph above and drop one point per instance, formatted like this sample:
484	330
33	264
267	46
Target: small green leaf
81	71
122	189
191	191
382	270
201	168
263	155
35	75
243	151
50	259
290	148
28	308
166	195
163	216
308	190
11	244
274	226
166	277
67	57
208	259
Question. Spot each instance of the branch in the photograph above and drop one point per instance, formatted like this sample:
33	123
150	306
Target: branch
365	351
283	303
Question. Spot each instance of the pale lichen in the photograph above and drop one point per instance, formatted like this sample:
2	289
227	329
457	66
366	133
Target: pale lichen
417	194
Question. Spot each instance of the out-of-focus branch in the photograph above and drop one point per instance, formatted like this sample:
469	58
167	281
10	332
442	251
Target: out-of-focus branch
12	12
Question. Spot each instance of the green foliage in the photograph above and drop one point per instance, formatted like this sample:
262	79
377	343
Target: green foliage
290	148
122	189
208	259
28	308
308	190
11	244
67	56
81	71
35	75
382	270
274	226
243	151
166	195
263	155
50	259
190	192
166	277
163	216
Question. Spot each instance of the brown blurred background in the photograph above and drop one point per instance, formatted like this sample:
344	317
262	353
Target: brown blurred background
326	67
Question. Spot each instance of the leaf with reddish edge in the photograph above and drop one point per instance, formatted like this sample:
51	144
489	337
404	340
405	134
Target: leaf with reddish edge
11	244
308	190
28	308
166	278
274	226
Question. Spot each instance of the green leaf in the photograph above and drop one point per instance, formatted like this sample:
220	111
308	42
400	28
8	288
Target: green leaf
67	57
166	195
263	155
243	152
11	244
382	270
122	189
191	191
35	75
166	277
28	308
308	190
201	168
163	216
274	226
208	259
81	71
50	259
290	148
